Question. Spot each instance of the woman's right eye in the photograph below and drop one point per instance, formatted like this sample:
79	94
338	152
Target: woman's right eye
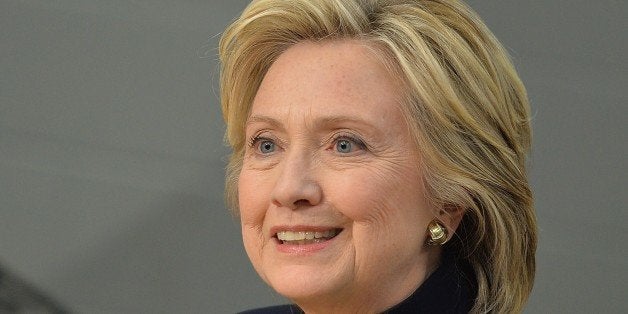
265	146
262	145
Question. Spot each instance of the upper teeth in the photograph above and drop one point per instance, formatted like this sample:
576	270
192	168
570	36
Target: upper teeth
304	235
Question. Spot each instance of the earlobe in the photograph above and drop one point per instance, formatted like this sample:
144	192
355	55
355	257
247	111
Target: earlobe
442	228
437	233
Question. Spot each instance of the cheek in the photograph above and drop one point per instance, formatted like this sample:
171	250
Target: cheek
379	195
253	199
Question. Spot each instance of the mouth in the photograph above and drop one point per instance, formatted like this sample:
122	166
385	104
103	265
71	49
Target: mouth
306	237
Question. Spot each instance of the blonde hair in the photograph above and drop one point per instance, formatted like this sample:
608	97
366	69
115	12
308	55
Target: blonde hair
465	103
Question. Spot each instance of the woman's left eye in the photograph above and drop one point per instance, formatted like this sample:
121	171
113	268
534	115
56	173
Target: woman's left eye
345	145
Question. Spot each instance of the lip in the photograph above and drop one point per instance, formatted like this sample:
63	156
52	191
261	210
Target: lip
302	249
299	228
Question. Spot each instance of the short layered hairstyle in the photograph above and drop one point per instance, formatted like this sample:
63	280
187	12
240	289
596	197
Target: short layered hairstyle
464	102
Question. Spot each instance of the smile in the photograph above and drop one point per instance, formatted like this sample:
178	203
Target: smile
306	237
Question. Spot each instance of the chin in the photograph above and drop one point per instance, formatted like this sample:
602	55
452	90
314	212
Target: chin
303	282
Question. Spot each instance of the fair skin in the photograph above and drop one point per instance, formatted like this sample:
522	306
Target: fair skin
332	205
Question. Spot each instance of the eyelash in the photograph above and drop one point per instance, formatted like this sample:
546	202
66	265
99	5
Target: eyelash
349	137
256	139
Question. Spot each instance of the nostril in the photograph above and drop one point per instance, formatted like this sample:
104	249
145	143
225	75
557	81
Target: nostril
302	202
296	193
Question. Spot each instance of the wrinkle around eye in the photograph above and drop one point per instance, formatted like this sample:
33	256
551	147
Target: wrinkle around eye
256	160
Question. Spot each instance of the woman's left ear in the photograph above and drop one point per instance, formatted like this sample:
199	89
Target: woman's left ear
451	216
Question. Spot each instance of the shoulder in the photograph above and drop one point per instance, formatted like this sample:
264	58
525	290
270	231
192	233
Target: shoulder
277	309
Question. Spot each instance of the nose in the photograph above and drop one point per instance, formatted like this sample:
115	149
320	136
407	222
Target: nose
297	185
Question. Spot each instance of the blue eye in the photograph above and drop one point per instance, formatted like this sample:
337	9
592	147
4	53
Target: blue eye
344	146
266	147
348	145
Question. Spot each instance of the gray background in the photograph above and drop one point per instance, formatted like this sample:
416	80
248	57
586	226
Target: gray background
111	153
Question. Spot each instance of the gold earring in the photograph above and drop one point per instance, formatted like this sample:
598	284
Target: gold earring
438	233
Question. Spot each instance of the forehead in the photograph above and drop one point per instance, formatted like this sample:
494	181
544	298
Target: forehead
332	78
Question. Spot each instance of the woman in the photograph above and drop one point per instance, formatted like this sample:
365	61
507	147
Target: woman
378	156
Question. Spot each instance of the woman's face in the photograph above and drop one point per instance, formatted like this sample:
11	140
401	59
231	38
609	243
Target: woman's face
331	197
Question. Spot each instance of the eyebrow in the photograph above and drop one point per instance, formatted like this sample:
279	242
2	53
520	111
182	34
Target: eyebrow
262	119
324	121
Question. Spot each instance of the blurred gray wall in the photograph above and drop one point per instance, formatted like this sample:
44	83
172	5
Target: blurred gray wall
111	153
